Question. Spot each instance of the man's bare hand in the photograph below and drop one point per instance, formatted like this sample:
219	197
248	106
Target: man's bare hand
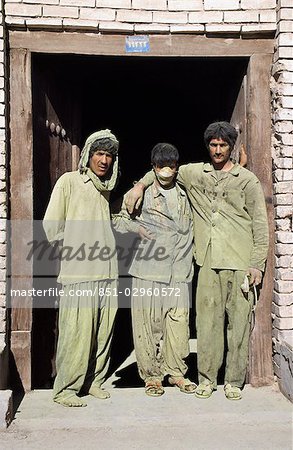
144	233
255	276
133	198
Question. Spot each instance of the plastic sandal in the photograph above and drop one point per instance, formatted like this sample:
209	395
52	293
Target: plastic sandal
232	392
154	388
204	390
184	384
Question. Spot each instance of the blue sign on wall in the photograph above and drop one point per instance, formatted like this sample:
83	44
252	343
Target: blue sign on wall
137	44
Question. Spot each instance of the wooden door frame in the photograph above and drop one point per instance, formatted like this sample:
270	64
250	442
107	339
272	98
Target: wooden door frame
22	44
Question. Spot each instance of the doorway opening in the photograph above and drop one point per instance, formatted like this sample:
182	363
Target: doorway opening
143	100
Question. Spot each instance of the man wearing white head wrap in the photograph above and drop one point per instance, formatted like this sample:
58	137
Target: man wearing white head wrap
78	218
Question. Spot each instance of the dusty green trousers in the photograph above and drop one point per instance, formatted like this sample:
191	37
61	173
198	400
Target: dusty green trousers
160	326
86	319
219	293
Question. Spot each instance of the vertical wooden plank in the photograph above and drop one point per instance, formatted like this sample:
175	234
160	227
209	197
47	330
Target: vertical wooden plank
238	119
260	162
21	210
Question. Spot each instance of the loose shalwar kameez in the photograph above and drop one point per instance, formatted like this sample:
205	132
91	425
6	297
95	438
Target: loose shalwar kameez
230	236
78	218
161	285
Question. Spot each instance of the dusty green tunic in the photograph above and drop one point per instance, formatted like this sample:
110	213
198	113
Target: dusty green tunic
229	214
79	214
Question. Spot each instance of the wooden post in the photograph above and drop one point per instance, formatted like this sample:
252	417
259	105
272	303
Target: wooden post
260	162
21	210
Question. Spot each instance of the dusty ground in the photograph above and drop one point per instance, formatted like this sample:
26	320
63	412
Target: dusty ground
132	420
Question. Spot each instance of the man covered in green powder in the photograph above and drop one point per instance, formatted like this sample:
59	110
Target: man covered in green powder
231	242
78	218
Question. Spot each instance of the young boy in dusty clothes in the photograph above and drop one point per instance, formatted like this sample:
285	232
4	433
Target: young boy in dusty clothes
162	271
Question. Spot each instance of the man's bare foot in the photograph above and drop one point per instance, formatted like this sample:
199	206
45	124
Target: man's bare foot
73	401
99	392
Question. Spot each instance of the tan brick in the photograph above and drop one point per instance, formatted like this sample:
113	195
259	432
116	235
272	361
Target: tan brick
2	301
286	77
113	4
116	27
149	4
14	22
221	4
77	24
283	175
60	11
188	28
282	311
3	211
283	163
283	53
41	23
259	28
283	323
134	16
287	102
282	225
285	39
286	151
23	10
151	28
285	14
285	26
41	2
268	16
285	3
80	3
241	16
97	14
223	28
170	17
258	4
284	237
185	5
206	17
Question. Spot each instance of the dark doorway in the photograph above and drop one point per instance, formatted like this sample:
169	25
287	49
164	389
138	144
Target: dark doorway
143	100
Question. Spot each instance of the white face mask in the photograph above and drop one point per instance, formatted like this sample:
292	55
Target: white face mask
165	175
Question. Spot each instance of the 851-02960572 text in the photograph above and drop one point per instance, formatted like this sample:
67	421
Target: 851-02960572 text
164	291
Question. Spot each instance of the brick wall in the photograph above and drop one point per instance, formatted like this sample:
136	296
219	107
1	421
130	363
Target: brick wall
236	17
282	103
3	337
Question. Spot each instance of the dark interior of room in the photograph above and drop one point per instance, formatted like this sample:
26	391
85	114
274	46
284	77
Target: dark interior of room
143	100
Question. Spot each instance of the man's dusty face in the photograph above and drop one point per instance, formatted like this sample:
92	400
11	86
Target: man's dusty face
220	152
100	162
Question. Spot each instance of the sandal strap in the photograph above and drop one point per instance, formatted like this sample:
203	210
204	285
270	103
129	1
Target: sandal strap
180	381
233	389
